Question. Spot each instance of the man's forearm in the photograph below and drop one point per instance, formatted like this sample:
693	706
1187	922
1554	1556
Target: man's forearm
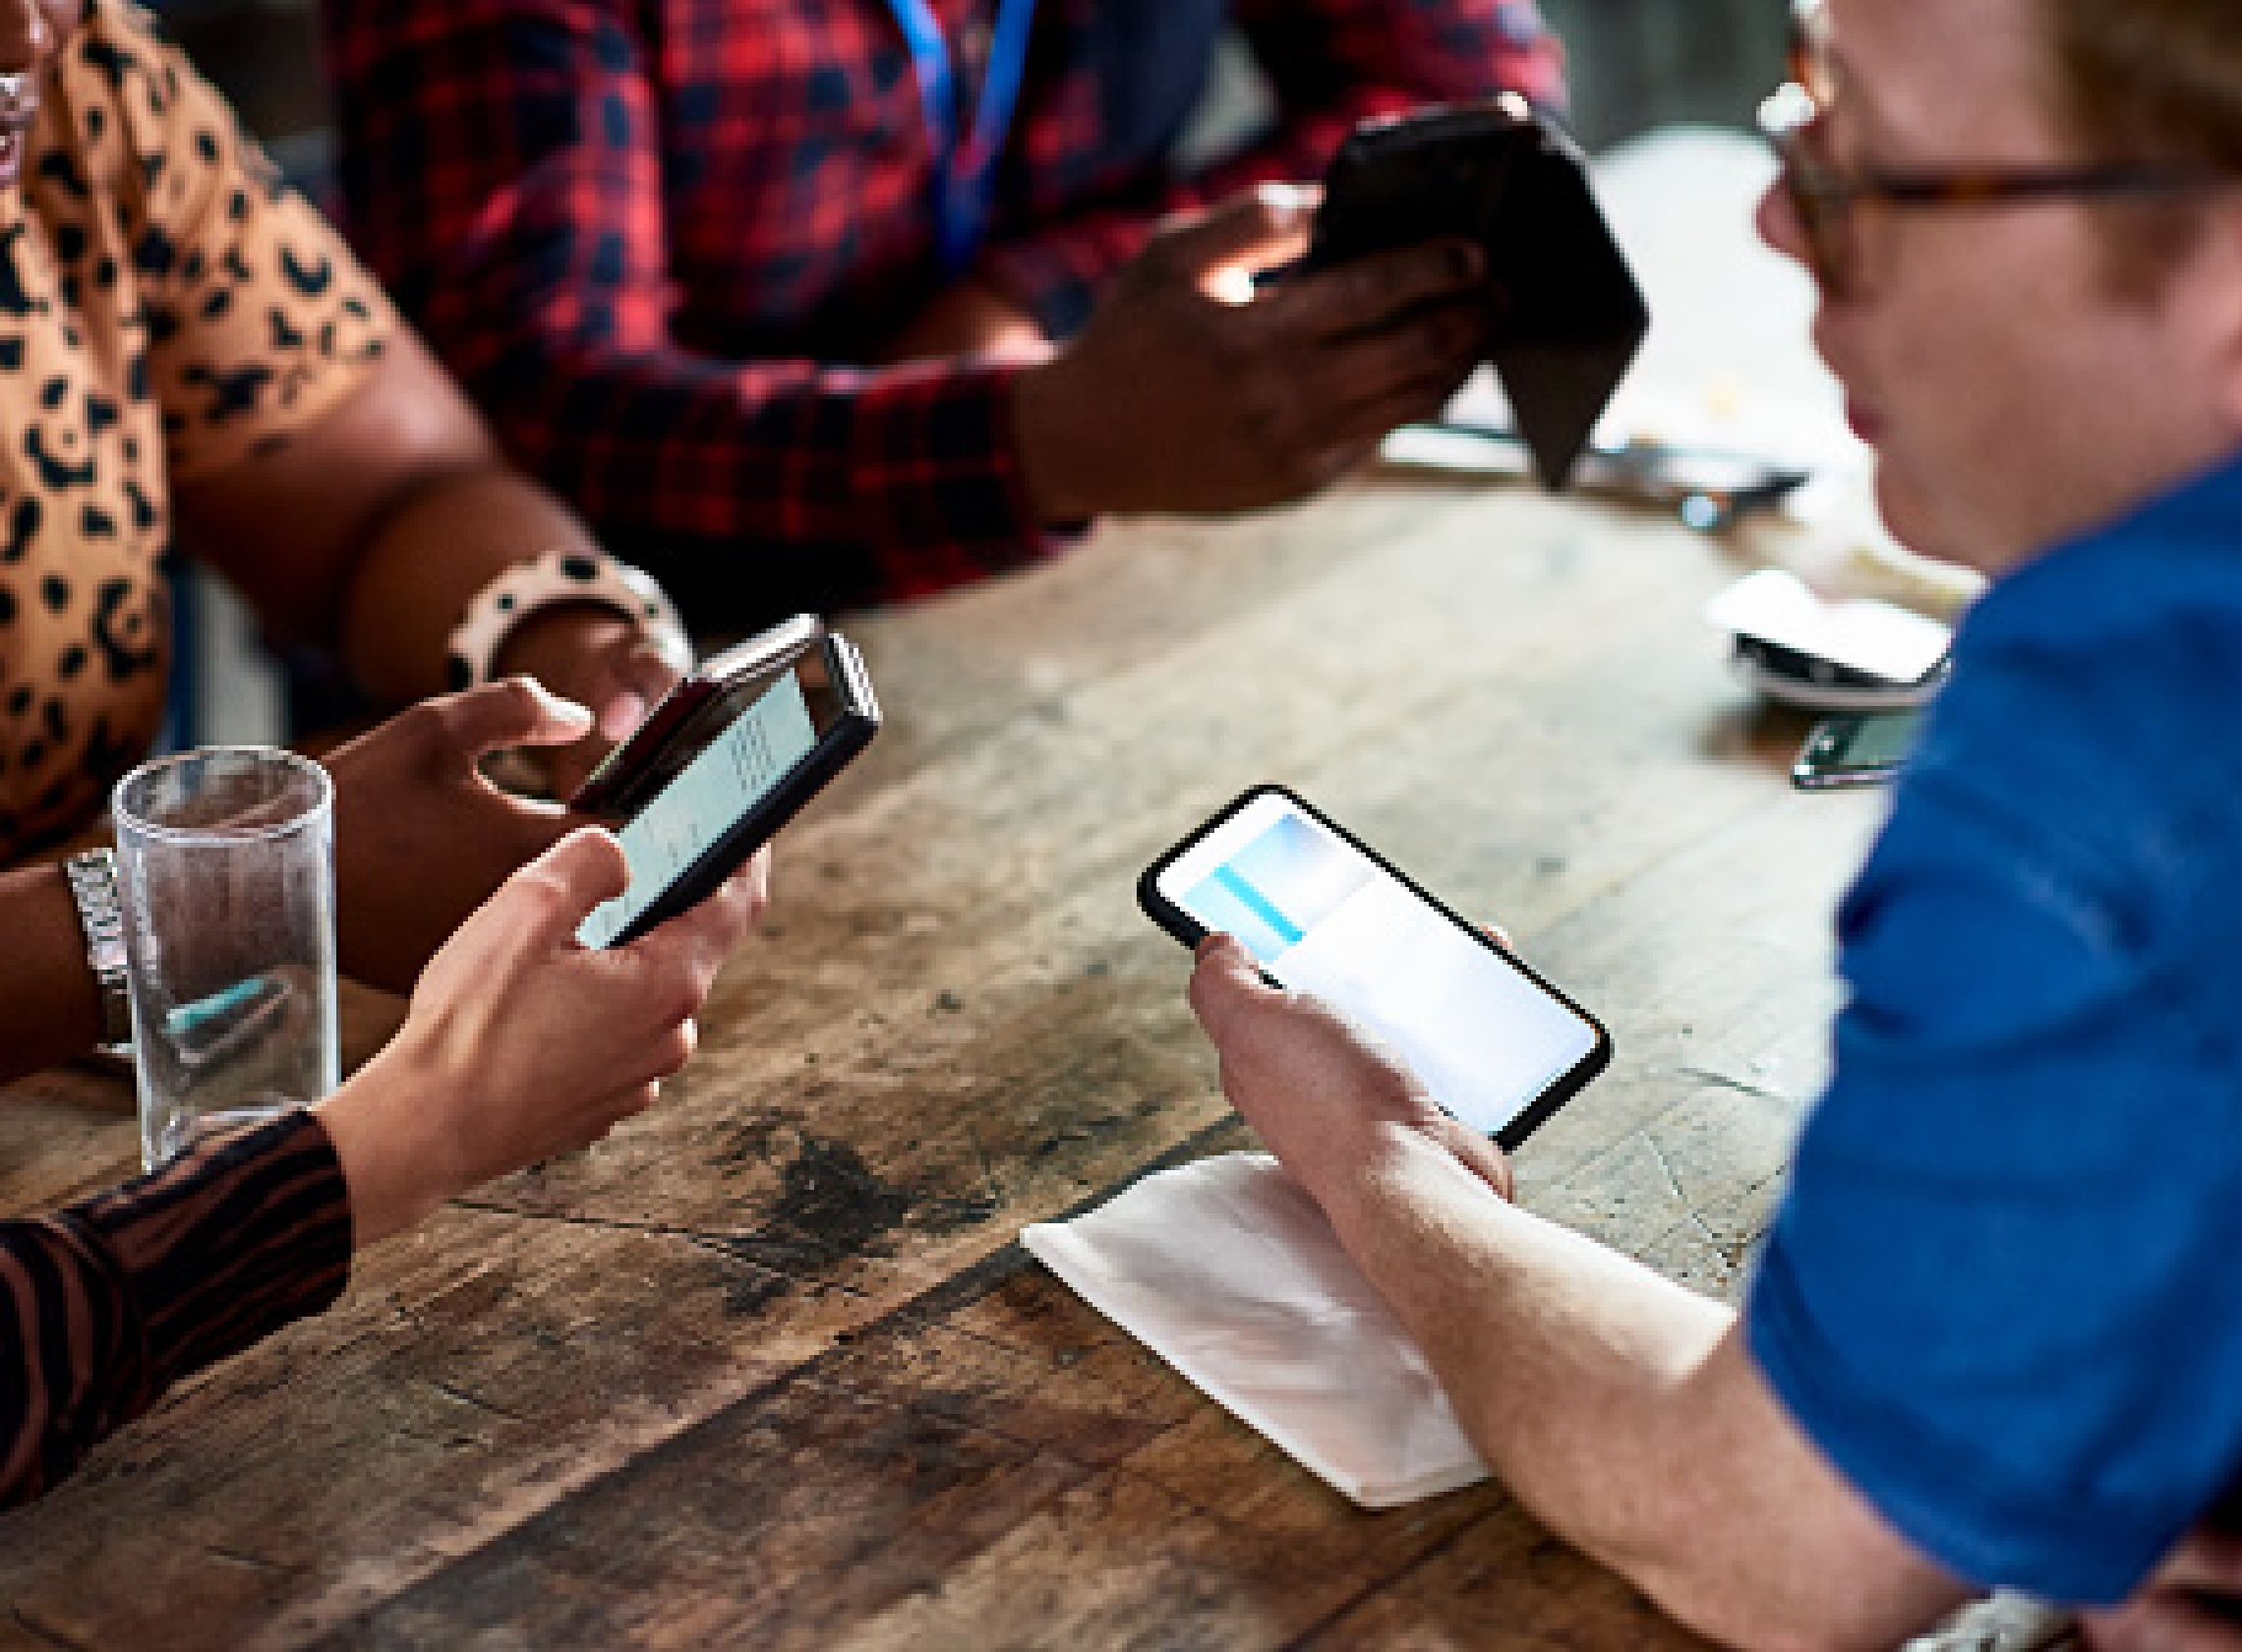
1620	1408
1557	1351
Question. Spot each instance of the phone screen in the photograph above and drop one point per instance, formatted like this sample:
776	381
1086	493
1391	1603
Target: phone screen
1858	748
704	798
1487	1039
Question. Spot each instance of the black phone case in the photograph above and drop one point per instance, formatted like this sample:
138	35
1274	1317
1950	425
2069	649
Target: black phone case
835	749
1190	931
1499	174
618	785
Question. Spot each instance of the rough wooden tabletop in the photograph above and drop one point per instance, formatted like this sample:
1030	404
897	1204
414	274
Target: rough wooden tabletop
767	1369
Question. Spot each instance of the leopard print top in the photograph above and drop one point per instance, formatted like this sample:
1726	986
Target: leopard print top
166	308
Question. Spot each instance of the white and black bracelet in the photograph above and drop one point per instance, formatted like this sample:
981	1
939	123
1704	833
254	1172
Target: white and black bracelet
557	579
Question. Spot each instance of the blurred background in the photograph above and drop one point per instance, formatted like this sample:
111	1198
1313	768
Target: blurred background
1635	65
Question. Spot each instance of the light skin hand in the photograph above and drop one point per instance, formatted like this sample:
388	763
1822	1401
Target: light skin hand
421	838
1622	1409
1177	398
520	1043
1311	1084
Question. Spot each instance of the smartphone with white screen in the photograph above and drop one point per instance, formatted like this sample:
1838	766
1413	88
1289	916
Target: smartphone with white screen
755	746
1494	1044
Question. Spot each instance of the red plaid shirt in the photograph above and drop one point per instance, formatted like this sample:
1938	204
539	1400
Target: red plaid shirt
657	238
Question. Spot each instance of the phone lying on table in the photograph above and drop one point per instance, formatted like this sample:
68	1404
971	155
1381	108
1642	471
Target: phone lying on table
1321	911
727	758
1856	749
1570	316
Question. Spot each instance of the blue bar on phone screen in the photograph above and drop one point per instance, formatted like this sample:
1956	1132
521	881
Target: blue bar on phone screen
709	795
1321	917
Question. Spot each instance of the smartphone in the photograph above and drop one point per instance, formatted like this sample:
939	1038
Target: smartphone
1570	315
1858	748
608	789
756	741
1708	489
1321	911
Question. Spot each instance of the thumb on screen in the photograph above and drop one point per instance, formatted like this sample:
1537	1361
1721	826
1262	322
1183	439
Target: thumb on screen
579	873
1224	981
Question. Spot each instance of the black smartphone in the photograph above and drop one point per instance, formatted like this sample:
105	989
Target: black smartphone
1321	911
756	741
1570	316
1858	748
622	777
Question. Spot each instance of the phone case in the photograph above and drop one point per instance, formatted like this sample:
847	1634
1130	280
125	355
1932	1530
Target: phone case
1190	931
616	788
836	747
1572	317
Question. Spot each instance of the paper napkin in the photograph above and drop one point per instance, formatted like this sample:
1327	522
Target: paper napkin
1228	1271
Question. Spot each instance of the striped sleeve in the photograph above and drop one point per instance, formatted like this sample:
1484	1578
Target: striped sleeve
106	1304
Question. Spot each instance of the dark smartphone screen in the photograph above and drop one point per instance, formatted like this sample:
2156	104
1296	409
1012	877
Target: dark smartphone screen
1570	316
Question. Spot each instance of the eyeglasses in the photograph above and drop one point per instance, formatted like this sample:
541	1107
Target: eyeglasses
1824	195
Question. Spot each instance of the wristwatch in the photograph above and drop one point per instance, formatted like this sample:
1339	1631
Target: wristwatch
93	878
553	580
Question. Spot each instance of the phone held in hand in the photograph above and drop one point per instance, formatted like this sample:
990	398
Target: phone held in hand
1857	748
727	758
1569	316
1494	1044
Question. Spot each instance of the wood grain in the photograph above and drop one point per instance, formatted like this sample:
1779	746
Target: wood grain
767	1368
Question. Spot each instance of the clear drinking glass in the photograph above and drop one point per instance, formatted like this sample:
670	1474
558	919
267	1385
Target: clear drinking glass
225	859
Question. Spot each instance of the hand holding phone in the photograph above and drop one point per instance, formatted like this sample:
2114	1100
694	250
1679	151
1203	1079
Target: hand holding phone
1494	1044
720	764
1569	314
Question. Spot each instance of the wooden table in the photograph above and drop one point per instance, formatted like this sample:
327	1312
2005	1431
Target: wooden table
768	1369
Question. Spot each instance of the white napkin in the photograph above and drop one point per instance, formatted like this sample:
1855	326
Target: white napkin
1226	1270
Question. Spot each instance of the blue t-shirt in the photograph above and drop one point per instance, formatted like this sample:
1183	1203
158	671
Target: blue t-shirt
2005	1291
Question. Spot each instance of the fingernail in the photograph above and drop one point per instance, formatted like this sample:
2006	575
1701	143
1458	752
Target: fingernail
1465	261
623	713
1290	203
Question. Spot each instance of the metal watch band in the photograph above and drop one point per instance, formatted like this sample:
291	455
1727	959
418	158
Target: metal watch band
93	877
552	580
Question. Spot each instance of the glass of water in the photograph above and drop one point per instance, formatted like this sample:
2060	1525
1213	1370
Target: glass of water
225	859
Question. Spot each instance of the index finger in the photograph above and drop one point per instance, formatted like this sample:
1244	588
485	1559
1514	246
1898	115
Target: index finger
711	928
643	674
1371	292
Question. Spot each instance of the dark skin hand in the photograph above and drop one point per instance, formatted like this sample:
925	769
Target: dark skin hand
596	657
414	813
970	318
1190	392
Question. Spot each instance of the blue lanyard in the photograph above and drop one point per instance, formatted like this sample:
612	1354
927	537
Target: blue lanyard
964	171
